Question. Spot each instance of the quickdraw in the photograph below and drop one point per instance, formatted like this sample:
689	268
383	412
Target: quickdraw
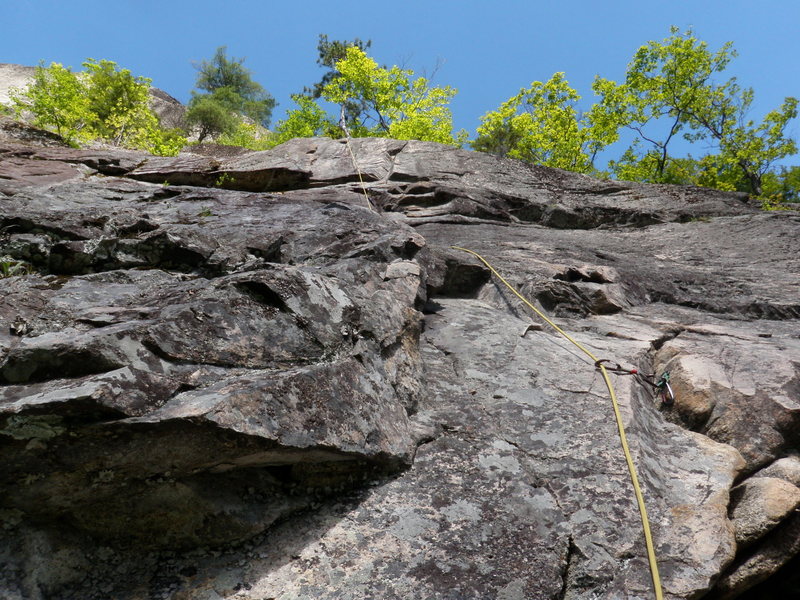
665	389
662	387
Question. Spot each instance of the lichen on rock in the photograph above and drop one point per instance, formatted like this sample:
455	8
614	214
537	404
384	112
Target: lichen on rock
231	378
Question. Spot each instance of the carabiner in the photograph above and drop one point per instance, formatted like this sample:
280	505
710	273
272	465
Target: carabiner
665	389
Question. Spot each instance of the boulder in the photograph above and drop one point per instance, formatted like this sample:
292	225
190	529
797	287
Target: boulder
228	375
738	386
758	566
787	468
759	504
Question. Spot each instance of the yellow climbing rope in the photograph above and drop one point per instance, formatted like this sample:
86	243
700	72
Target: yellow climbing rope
343	125
360	178
648	538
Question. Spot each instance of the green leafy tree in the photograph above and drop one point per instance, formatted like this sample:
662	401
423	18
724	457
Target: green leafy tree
782	186
118	104
397	106
165	142
748	148
331	52
393	105
307	120
232	85
210	115
542	124
57	99
670	92
102	102
247	135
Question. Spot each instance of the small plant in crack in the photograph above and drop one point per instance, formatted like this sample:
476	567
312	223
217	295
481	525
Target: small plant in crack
11	267
223	180
205	212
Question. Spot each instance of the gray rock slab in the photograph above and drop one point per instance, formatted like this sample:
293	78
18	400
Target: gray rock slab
231	377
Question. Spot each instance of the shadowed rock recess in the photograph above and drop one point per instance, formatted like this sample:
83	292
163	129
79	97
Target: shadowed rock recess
232	378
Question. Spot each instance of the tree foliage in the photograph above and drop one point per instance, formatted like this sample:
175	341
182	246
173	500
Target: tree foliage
102	102
670	94
57	99
541	124
391	104
670	91
247	135
782	186
331	52
209	115
230	84
307	120
397	106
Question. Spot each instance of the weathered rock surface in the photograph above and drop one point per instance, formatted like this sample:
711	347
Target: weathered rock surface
760	504
231	377
13	77
787	468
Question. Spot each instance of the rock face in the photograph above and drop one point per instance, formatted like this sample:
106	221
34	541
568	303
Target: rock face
13	77
237	377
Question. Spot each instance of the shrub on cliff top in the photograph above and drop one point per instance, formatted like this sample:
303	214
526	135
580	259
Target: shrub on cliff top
102	102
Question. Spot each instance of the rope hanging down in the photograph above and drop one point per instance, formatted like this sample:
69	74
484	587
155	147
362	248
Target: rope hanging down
343	125
599	364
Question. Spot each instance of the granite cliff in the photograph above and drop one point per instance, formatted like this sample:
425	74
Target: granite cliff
239	378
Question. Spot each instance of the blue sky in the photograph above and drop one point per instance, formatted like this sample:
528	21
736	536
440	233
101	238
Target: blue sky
487	50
